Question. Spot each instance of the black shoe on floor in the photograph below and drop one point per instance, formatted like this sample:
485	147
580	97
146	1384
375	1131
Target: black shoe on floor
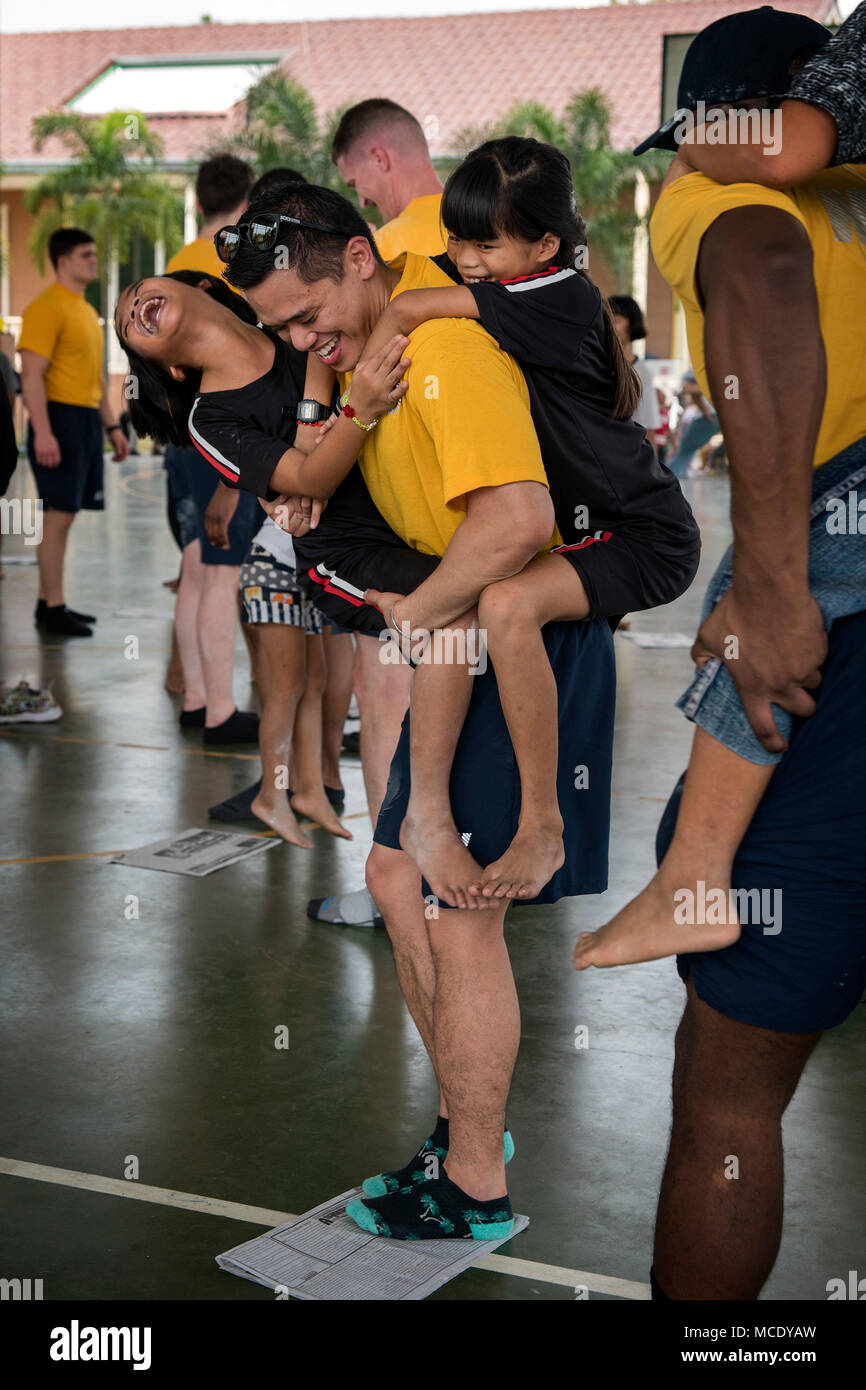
352	743
59	622
239	806
42	610
240	727
192	718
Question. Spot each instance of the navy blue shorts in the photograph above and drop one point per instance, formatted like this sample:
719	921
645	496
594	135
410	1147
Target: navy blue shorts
485	782
201	481
807	842
77	483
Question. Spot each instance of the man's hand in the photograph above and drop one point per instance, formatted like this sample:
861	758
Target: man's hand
773	652
120	446
47	450
217	518
386	604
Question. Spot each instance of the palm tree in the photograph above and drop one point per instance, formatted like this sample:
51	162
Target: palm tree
281	128
112	187
601	174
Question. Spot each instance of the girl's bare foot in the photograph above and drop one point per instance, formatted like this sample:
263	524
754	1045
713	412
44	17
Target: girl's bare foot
443	859
316	806
531	860
280	818
664	920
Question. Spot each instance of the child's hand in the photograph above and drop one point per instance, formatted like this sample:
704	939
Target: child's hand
376	385
322	430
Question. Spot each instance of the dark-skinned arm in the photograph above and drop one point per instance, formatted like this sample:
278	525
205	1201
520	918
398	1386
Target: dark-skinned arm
807	145
767	374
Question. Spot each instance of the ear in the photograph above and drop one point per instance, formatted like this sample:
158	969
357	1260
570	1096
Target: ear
548	246
359	257
380	156
204	283
177	373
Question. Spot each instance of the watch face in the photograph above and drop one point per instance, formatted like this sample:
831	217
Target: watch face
311	411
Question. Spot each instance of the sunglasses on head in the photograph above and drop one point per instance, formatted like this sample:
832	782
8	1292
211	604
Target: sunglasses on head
262	232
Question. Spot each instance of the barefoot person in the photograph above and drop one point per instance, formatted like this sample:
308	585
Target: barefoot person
774	287
629	539
457	473
205	371
782	584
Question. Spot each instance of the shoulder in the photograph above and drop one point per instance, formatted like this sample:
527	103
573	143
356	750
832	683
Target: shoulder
697	196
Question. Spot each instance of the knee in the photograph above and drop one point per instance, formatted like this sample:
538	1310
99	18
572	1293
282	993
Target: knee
505	605
393	881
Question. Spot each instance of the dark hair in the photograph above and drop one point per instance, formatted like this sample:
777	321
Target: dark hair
222	183
359	121
272	182
628	308
64	240
311	255
519	187
161	408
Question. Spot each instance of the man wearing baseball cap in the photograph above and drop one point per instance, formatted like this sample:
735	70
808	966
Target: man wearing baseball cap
773	284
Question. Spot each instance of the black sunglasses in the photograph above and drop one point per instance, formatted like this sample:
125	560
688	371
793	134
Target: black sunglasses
262	232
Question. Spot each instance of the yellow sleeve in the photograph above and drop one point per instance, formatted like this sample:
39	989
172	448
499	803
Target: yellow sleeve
40	326
474	403
684	214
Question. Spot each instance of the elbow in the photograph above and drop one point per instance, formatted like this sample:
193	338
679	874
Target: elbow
530	530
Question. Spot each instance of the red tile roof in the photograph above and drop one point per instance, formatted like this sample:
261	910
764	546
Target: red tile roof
461	70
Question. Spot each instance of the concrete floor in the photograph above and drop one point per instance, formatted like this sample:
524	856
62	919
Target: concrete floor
154	1037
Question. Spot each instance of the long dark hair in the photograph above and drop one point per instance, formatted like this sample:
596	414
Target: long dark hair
519	187
160	406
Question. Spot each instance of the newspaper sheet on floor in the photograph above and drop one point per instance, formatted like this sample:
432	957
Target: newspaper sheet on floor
658	639
324	1255
196	852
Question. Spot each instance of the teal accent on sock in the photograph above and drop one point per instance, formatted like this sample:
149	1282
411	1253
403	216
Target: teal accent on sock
365	1218
491	1230
509	1146
375	1187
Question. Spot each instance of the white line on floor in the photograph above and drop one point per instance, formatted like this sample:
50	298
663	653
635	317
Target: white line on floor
261	1216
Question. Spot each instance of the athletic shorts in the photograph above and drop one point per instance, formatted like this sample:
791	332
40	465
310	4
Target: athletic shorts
837	579
485	782
801	967
354	549
77	483
180	496
627	572
201	481
270	593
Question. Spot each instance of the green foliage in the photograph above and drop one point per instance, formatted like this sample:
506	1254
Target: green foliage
602	175
113	187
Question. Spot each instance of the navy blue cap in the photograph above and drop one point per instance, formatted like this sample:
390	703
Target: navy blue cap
743	55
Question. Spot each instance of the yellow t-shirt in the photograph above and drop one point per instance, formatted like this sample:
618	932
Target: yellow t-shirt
464	424
832	208
63	327
417	228
200	255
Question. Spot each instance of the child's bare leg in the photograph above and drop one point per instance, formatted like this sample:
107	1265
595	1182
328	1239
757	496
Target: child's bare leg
441	691
309	797
281	661
687	905
512	613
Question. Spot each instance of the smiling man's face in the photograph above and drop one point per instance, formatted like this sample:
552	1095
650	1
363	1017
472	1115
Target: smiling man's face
331	318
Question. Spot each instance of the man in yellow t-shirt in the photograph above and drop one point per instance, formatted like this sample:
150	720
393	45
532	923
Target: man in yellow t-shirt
455	470
773	283
66	396
381	152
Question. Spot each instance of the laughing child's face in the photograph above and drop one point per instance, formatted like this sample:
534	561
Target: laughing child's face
502	257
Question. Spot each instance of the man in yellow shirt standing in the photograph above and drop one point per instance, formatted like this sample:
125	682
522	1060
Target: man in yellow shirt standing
66	395
381	152
773	284
456	470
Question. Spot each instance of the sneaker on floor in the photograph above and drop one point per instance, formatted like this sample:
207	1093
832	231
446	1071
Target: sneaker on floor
346	910
192	718
21	704
59	622
42	609
240	727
